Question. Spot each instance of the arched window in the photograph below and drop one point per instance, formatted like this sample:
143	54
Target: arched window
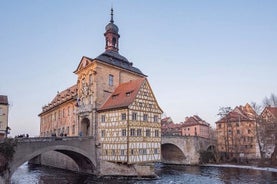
114	41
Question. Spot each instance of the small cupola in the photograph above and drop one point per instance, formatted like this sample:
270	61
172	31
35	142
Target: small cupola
111	35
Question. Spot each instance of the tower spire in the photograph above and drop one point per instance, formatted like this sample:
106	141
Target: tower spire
111	35
111	21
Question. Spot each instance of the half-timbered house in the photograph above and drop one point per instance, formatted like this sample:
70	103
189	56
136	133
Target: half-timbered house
130	124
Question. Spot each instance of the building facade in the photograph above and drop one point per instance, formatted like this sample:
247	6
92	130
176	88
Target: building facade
129	127
4	112
195	126
169	128
91	107
268	131
236	133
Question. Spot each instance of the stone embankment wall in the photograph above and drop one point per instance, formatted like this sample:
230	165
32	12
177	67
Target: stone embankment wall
59	160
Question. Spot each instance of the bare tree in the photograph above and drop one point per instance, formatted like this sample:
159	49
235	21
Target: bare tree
259	127
270	101
224	113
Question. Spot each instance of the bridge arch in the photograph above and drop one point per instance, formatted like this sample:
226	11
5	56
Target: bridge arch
210	147
172	153
81	158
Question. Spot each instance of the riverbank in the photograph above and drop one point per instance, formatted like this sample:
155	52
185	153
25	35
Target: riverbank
271	169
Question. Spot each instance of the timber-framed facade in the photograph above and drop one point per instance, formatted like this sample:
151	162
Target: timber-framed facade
130	127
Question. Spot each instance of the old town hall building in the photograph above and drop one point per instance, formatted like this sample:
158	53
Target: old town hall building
113	102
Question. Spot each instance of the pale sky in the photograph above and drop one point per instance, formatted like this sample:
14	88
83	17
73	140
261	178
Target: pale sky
198	55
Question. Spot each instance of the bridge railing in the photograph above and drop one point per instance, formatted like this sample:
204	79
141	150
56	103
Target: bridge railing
49	139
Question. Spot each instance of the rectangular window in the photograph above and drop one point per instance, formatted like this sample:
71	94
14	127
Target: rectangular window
113	152
156	133
138	132
110	80
134	116
90	78
123	116
73	129
132	132
103	118
123	132
148	133
142	151
132	152
145	117
156	118
155	151
103	132
122	152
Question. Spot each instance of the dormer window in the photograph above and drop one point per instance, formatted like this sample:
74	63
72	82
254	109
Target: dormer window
114	96
128	93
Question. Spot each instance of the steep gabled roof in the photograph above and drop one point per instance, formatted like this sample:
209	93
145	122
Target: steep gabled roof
272	110
115	59
194	120
66	95
123	95
111	58
240	113
4	100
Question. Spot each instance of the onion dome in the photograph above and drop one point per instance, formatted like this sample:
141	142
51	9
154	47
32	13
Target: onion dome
111	27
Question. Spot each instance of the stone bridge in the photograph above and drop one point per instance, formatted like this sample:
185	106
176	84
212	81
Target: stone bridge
184	150
85	153
80	149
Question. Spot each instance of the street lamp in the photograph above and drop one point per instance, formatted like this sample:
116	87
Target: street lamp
7	131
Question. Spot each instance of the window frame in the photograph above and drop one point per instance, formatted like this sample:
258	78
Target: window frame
111	80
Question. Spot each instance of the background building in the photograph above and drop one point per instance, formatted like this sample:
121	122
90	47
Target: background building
4	113
236	133
169	127
195	126
268	132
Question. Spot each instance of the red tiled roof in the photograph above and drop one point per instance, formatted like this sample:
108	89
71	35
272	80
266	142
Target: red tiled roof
4	100
166	120
194	120
123	95
61	97
240	113
273	110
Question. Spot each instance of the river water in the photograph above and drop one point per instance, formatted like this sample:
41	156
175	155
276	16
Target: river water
168	174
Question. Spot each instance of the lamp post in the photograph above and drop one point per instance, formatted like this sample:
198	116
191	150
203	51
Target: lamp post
7	131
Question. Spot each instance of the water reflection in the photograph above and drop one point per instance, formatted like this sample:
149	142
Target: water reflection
169	174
